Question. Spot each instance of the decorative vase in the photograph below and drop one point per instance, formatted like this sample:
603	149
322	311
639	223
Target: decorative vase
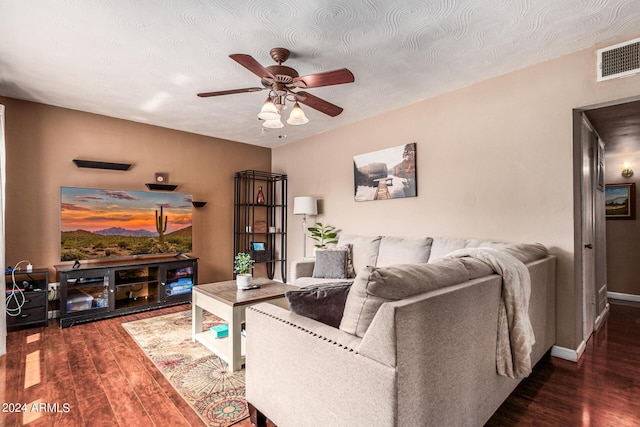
260	197
243	281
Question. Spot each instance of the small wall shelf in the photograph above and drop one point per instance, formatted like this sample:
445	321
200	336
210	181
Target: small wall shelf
101	165
161	187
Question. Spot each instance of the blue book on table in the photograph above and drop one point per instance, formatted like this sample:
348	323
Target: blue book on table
219	331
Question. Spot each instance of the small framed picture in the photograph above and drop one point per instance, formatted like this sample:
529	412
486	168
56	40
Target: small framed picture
258	246
620	201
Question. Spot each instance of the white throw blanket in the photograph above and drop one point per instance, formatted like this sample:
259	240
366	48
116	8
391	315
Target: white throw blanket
515	333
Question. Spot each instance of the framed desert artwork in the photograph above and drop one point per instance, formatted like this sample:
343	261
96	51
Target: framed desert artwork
385	174
620	201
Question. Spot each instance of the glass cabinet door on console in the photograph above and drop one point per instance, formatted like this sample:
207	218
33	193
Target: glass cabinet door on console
180	277
136	286
86	291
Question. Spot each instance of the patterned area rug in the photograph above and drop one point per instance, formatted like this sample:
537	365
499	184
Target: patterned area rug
200	377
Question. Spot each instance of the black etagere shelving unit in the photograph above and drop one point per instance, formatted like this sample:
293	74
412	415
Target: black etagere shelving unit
260	228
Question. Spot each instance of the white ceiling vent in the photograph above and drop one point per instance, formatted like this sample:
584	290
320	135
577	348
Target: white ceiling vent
619	60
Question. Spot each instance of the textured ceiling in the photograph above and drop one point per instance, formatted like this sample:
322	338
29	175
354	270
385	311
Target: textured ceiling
145	60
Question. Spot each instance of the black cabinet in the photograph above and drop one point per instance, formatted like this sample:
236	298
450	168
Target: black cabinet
95	291
260	219
26	299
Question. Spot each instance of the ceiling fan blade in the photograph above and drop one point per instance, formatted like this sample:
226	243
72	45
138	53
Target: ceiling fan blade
230	92
318	103
248	62
328	78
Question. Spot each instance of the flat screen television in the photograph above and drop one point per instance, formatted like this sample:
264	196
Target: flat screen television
101	223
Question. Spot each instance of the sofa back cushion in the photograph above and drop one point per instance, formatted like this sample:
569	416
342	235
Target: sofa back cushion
364	249
403	250
441	246
374	286
525	252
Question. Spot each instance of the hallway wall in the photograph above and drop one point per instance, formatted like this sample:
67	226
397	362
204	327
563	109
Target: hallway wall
623	236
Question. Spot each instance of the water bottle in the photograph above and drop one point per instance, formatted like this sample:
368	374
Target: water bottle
102	300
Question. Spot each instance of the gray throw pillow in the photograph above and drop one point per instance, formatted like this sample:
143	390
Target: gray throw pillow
324	303
349	248
330	265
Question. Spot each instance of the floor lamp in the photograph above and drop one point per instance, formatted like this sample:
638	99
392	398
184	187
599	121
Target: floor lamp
305	205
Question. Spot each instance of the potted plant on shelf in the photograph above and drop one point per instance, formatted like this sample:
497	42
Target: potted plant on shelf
324	235
242	265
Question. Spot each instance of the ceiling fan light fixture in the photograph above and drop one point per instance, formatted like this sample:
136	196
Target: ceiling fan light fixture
297	116
268	111
283	83
273	124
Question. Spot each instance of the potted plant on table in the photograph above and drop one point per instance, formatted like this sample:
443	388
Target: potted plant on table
242	265
324	235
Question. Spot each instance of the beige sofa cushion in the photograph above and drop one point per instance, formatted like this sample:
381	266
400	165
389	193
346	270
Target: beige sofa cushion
312	281
374	286
403	250
442	246
524	252
364	249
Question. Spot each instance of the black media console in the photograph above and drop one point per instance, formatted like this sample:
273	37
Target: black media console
113	288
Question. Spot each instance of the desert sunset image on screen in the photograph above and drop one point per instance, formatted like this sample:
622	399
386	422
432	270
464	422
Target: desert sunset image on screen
99	223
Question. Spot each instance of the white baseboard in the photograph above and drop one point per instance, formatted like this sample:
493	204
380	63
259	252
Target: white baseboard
602	316
575	355
623	297
567	353
54	314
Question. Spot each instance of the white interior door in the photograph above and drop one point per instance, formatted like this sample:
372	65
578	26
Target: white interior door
589	147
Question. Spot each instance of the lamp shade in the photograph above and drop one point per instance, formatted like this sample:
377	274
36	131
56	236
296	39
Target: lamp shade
268	111
297	116
305	205
273	124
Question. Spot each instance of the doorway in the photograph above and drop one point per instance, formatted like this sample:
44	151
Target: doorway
599	130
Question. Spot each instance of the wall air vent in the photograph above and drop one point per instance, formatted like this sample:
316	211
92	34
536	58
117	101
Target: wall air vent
619	60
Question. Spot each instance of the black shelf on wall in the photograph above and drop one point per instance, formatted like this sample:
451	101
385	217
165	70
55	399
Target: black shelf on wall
161	187
91	164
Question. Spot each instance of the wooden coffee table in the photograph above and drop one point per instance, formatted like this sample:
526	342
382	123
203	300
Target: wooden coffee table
225	300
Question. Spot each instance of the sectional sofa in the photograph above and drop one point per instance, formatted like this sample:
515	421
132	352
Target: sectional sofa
419	340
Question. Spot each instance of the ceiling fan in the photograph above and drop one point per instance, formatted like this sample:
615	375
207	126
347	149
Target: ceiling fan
281	81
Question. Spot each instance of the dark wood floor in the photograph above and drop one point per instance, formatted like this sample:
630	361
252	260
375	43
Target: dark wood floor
105	379
603	389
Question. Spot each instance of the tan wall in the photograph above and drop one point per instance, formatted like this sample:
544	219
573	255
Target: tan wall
43	140
494	162
623	250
